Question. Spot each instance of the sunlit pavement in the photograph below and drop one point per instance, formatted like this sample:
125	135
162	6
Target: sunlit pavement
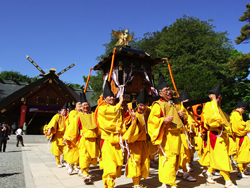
40	171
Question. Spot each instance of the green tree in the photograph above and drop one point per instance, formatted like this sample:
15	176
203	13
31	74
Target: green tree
95	82
200	58
240	63
150	41
73	85
14	75
197	55
239	89
11	75
245	30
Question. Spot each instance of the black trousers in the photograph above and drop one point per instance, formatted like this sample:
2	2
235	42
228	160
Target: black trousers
3	144
19	138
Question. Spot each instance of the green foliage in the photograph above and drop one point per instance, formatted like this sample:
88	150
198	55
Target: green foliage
200	58
95	82
240	87
76	85
11	75
197	55
245	30
150	41
239	64
73	85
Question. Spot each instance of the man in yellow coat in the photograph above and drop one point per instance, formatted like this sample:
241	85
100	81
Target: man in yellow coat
186	146
66	119
87	132
164	126
109	119
56	127
71	138
217	124
138	163
241	131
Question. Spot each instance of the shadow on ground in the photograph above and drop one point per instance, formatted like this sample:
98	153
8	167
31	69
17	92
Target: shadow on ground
8	174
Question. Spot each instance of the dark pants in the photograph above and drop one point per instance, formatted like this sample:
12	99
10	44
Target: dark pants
4	143
19	138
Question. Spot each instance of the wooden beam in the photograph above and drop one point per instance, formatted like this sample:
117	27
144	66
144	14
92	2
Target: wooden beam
41	70
64	70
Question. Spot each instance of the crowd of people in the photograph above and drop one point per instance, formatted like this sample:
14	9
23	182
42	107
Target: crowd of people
5	132
117	133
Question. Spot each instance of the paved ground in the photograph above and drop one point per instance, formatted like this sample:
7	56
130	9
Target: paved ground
40	171
11	167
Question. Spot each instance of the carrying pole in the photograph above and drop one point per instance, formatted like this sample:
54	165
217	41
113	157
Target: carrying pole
112	65
85	89
172	78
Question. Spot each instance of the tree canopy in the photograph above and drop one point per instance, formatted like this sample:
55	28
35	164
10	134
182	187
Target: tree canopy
245	30
95	83
11	75
197	55
14	75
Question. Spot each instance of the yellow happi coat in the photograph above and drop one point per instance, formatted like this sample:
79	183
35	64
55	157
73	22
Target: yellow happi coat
191	126
217	137
135	140
198	141
232	150
204	151
66	122
187	146
167	137
240	129
71	134
88	144
109	119
57	126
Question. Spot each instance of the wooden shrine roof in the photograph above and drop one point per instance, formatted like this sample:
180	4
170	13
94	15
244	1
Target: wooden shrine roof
132	53
11	92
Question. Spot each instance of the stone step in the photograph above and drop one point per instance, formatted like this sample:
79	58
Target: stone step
29	139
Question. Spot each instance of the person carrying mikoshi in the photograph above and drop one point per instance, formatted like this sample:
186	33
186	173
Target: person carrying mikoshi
56	127
164	127
70	138
138	163
87	131
241	131
66	119
217	124
186	146
109	121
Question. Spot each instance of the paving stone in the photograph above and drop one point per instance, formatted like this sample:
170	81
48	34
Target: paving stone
39	157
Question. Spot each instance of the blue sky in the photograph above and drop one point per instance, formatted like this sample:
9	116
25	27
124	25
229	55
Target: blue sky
57	33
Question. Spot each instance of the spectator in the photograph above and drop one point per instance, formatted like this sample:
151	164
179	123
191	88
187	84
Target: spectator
14	127
19	137
3	136
25	128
